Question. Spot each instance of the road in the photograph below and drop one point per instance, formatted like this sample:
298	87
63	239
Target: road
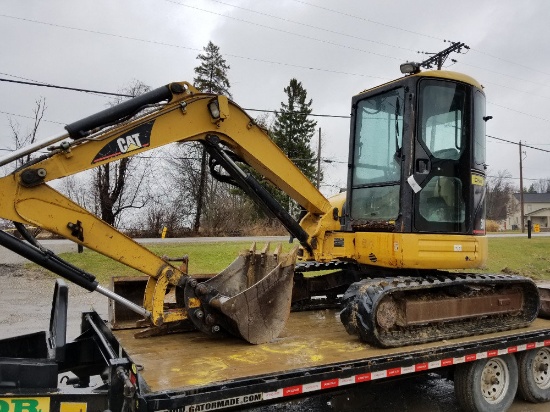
26	301
64	245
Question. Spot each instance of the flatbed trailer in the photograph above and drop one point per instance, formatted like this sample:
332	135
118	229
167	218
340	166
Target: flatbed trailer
314	357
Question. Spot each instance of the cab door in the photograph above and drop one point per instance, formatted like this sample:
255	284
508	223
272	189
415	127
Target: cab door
442	165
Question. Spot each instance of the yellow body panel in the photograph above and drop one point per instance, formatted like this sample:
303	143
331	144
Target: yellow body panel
441	74
406	250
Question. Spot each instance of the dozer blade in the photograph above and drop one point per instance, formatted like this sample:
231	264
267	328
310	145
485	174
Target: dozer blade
250	299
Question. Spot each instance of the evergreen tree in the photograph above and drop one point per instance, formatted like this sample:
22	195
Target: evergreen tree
212	72
293	130
211	78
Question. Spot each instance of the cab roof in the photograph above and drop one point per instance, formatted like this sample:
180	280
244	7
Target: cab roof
442	74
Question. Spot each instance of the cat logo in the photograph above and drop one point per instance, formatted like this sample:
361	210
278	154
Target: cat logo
129	143
135	139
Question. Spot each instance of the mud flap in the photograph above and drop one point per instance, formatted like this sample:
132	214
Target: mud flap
250	299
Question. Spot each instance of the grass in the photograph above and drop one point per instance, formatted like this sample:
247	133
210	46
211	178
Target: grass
204	258
520	255
514	255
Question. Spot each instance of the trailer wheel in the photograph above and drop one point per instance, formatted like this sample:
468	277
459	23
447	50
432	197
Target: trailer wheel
534	376
488	384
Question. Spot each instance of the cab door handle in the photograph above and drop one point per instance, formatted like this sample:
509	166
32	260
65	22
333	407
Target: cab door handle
423	166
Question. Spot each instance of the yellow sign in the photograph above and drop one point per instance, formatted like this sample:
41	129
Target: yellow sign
536	228
478	180
73	407
30	404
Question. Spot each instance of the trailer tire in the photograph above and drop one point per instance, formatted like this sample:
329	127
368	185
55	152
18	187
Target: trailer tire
487	385
534	375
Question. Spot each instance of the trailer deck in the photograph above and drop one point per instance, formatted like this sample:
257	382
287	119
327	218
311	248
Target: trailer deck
311	340
314	358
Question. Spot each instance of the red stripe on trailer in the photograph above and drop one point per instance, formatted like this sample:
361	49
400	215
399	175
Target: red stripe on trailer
292	390
363	377
393	372
421	367
330	383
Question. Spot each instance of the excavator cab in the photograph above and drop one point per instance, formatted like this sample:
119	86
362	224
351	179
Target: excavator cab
418	156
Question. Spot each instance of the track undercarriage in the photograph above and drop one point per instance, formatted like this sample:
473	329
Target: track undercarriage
391	311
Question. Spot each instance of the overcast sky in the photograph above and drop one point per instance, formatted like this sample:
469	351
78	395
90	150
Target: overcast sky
336	49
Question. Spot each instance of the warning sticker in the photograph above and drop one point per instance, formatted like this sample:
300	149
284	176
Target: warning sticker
478	180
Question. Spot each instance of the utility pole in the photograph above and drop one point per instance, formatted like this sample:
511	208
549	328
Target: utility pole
439	58
521	186
319	161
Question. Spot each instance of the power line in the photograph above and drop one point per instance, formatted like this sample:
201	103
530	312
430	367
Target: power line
29	117
65	88
523	144
506	75
510	61
309	25
517	111
516	90
252	110
128	95
414	32
516	178
311	114
367	20
285	31
192	49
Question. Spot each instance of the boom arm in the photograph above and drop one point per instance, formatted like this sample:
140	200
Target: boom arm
188	116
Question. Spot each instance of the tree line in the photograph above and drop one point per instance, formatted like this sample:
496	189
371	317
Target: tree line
500	188
171	187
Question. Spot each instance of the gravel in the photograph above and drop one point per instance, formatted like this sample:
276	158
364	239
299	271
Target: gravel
26	296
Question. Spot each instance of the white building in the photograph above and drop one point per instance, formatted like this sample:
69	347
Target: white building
536	208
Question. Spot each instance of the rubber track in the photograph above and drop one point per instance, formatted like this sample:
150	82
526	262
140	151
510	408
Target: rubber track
362	298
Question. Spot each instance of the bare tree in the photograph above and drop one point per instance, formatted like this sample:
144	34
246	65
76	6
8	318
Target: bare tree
499	192
542	185
27	138
115	192
21	139
185	173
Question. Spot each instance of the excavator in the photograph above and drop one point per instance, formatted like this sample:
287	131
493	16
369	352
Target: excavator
398	249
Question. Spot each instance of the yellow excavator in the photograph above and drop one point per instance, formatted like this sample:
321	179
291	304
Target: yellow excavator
413	212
